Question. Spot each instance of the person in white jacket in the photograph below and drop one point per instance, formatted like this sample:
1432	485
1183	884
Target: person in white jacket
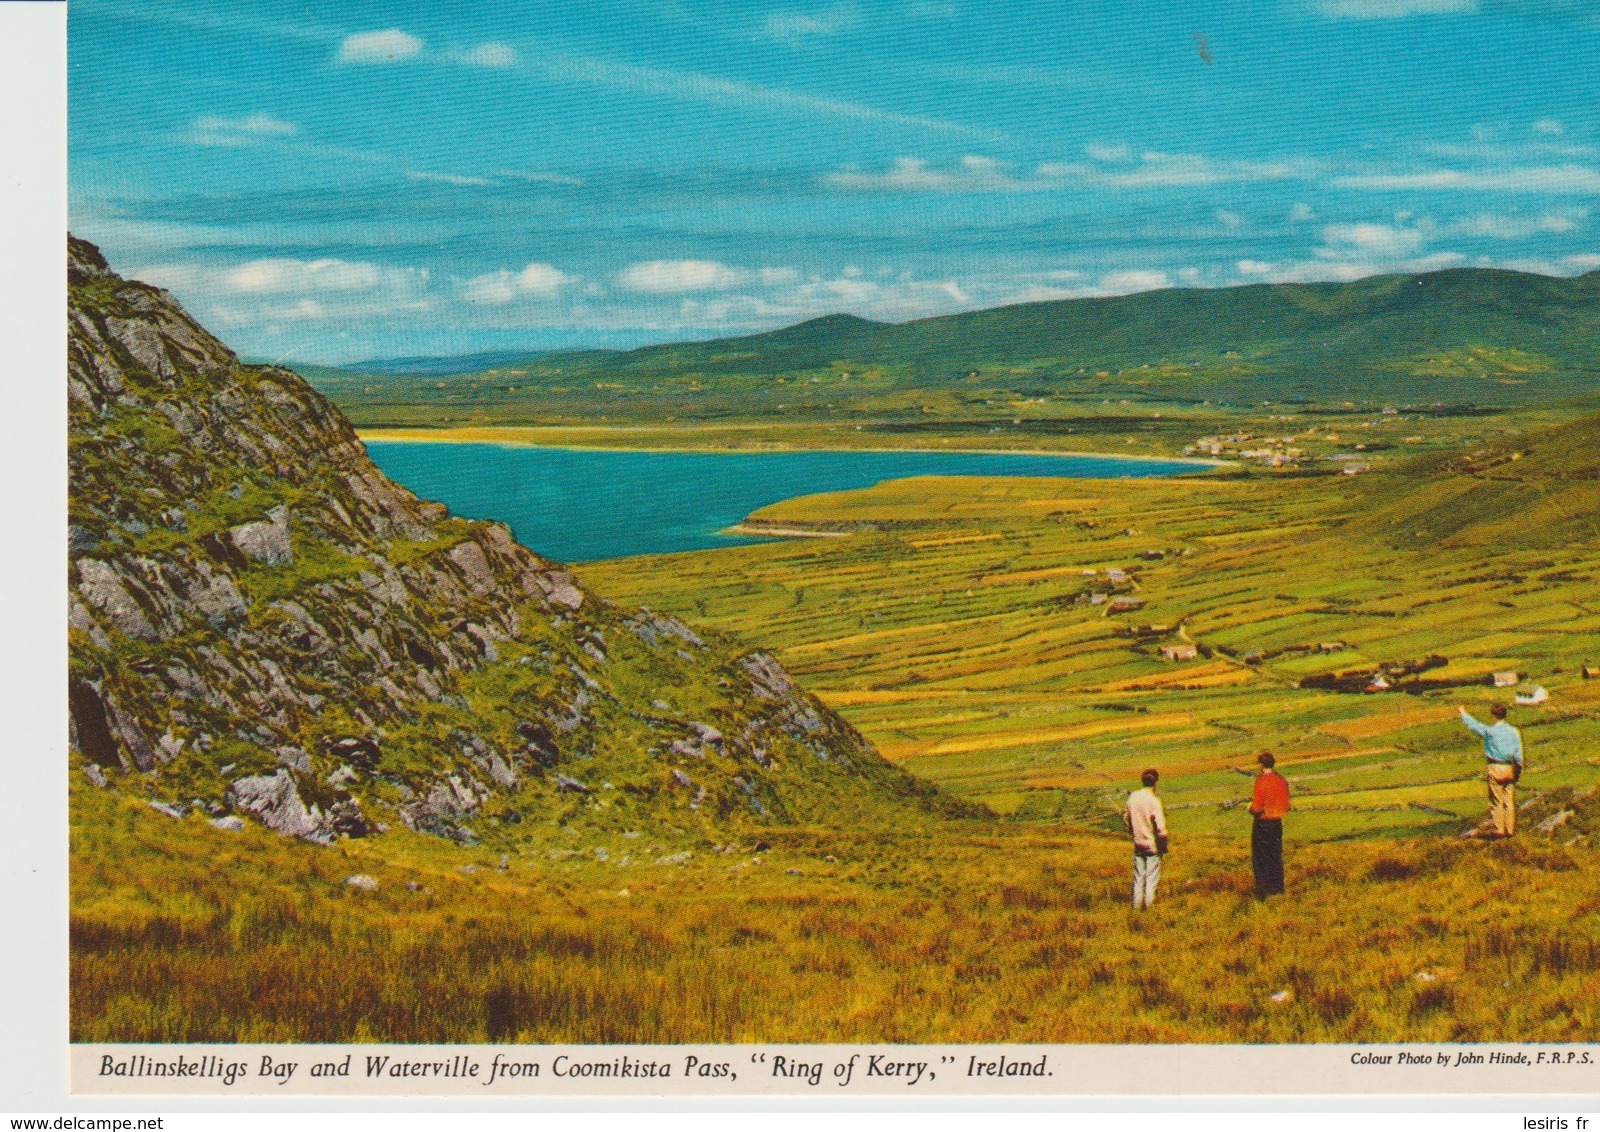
1144	821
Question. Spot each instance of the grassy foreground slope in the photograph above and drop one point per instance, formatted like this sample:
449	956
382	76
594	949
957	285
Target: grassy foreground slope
956	625
969	933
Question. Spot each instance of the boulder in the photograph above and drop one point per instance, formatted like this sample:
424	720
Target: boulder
499	770
362	881
294	758
573	785
562	590
273	800
229	824
102	588
705	732
266	542
215	596
470	558
418	816
771	681
1555	821
126	728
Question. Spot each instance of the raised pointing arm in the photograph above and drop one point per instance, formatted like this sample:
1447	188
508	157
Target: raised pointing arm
1473	725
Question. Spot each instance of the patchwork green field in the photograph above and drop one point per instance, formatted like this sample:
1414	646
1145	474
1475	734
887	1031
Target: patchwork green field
1005	637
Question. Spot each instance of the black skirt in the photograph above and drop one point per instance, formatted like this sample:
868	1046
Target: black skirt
1266	855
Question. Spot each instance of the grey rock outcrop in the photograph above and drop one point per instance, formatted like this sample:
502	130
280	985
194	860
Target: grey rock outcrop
273	800
266	541
247	589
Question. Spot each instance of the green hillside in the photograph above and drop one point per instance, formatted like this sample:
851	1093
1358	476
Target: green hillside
1469	323
1466	336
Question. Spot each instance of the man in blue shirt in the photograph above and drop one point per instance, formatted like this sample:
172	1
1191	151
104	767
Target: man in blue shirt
1502	752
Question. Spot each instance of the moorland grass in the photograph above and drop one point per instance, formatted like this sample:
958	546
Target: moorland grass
971	932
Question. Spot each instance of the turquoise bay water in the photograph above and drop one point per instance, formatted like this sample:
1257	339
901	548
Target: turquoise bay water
579	505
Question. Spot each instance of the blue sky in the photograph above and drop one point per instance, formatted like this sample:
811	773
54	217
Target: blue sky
350	180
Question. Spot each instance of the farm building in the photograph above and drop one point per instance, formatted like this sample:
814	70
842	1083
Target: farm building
1537	696
1590	672
1504	679
1124	604
1179	652
1330	646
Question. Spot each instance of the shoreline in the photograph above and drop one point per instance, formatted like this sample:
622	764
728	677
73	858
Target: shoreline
744	530
417	436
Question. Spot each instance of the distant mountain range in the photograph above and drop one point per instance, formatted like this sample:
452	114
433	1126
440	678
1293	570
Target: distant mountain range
1428	332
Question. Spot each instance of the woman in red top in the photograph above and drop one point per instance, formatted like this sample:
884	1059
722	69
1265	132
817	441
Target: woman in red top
1268	803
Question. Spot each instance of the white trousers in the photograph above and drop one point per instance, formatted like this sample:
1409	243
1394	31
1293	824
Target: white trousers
1146	873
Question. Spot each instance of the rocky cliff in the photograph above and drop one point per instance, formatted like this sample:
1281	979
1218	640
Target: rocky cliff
264	627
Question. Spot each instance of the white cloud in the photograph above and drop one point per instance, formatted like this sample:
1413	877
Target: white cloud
1485	148
1115	167
672	276
1196	169
1302	212
886	300
911	174
498	55
1342	266
213	129
1548	126
1039	293
447	178
539	177
1118	153
1498	227
1565	266
1555	179
265	292
280	276
1125	282
537	280
803	25
1155	169
1231	221
390	46
703	88
1391	9
1380	240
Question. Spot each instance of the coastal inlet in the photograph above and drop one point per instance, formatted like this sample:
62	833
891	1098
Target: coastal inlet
582	505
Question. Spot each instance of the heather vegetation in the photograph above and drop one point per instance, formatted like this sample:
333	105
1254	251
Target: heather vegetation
964	931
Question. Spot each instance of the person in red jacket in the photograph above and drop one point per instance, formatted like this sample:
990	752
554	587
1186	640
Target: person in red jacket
1269	801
